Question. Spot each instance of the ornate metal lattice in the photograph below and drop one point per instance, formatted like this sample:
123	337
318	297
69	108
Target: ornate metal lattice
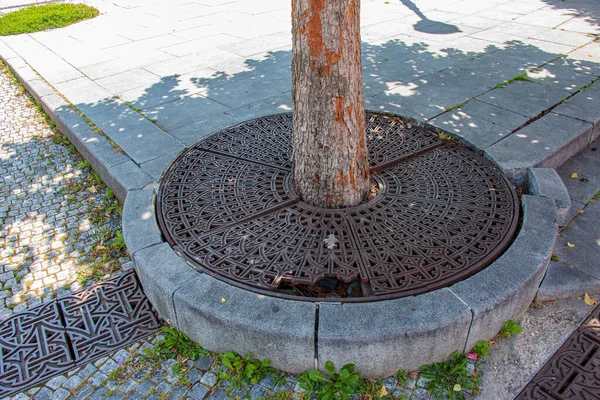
573	371
53	338
441	213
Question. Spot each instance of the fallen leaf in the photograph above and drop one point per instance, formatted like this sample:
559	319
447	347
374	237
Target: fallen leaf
383	391
589	301
457	387
93	189
571	266
570	245
581	212
223	299
574	175
100	247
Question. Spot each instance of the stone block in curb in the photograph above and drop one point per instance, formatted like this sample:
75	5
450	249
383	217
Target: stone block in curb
563	282
385	336
545	182
161	273
505	289
584	106
222	317
125	177
140	229
547	142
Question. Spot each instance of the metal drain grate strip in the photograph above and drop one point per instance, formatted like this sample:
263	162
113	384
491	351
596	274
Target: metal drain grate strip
53	338
572	372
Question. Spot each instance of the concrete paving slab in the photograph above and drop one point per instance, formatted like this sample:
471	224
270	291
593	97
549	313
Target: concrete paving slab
579	243
199	130
124	81
138	137
495	115
190	109
526	98
584	106
473	131
547	143
583	188
562	74
562	281
88	96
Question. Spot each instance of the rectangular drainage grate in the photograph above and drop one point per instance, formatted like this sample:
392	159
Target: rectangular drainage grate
573	371
50	339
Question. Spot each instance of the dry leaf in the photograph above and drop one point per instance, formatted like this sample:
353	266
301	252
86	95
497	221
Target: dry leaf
589	301
93	189
580	212
574	175
100	247
223	299
570	245
383	391
571	266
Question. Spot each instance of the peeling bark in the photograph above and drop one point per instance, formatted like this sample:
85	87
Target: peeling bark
330	160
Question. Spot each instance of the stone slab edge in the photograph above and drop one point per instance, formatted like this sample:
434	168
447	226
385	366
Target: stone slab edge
115	168
545	182
290	334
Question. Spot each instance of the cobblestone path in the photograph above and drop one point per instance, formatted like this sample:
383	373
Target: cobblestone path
58	223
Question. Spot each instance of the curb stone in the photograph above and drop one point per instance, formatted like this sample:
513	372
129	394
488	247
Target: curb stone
545	182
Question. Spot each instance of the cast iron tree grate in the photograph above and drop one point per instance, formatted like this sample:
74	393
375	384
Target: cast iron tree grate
440	214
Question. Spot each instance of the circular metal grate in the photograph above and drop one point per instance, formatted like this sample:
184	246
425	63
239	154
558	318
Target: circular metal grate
441	214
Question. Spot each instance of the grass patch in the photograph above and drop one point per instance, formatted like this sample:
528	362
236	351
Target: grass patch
521	77
39	18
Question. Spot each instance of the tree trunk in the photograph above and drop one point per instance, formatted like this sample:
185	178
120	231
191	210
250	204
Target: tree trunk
330	159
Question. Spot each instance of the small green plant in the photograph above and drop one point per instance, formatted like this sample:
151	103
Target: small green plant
510	328
444	137
520	77
177	344
482	348
40	18
242	371
449	378
402	377
554	257
337	386
456	106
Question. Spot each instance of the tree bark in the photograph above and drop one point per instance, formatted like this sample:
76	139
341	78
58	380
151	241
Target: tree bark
330	159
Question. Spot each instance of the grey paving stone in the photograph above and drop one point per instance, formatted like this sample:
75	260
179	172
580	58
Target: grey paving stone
126	177
562	281
495	115
209	379
97	379
218	394
73	382
43	394
546	143
144	387
564	74
178	392
584	106
88	370
253	88
526	98
161	283
545	182
198	392
199	130
109	366
584	233
267	327
140	229
56	382
433	94
139	138
385	336
194	375
85	392
88	96
204	363
585	164
60	394
507	287
277	104
469	129
258	391
190	109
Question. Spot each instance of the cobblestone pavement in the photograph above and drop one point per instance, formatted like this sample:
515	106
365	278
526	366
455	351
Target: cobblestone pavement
58	223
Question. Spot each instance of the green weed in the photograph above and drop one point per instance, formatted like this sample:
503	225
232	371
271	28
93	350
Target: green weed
334	386
449	378
510	328
242	371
